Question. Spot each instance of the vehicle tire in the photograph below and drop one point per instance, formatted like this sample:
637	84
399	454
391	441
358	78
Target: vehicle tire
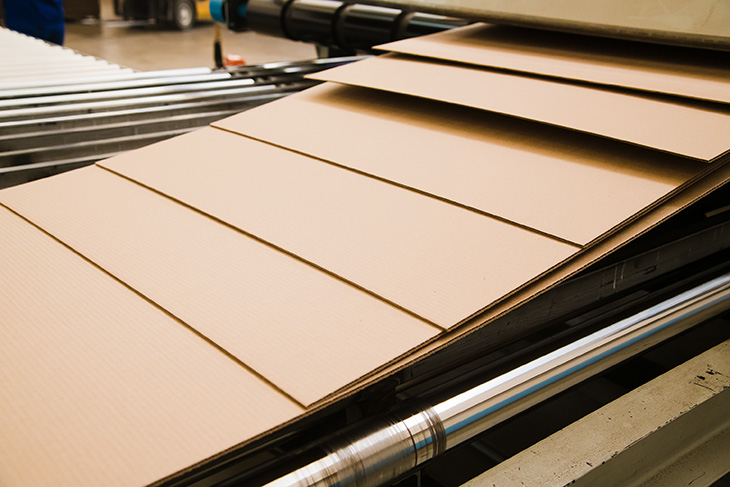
183	14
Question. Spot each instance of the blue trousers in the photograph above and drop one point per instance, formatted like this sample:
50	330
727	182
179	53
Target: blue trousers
38	18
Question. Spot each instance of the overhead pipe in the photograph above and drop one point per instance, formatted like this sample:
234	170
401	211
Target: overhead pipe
330	23
385	451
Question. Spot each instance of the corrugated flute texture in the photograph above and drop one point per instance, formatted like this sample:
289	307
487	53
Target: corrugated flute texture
434	259
98	386
571	186
259	304
170	303
680	128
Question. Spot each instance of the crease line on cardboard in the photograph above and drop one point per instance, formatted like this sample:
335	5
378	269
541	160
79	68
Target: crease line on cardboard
709	166
716	165
510	114
602	239
200	335
273	246
452	333
405	187
554	277
588	256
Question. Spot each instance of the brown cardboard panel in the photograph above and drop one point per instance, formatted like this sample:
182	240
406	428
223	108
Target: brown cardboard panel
681	128
440	261
663	69
680	200
686	22
303	330
563	183
98	386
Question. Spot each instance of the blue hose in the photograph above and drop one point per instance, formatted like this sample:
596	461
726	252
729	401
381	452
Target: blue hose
216	10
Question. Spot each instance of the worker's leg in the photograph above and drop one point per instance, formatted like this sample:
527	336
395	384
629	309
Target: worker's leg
38	18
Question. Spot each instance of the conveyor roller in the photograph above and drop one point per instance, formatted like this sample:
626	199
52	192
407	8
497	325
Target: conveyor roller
385	452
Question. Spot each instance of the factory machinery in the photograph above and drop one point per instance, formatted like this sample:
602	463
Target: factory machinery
479	412
457	416
79	109
488	409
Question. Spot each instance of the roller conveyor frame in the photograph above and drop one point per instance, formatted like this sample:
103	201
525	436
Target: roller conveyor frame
396	447
329	23
43	86
438	379
51	128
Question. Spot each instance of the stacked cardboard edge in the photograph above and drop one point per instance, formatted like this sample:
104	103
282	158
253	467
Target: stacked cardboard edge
168	304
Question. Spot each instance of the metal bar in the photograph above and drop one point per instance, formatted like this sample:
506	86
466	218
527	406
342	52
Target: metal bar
673	431
139	115
127	93
53	136
10	176
126	84
122	81
86	148
387	451
110	105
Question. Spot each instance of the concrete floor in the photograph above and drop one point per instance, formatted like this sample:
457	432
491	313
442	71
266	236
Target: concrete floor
150	47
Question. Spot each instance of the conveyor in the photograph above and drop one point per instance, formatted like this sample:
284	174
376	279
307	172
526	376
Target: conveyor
78	109
673	295
450	416
332	24
389	451
415	416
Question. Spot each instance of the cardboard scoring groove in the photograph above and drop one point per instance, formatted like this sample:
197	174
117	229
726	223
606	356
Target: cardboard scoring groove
95	380
254	302
571	185
717	177
307	255
683	129
381	237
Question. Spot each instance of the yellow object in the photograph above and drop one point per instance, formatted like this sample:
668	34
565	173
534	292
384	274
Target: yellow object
202	8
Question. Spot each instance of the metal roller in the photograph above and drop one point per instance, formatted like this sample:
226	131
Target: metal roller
49	128
385	451
329	23
363	26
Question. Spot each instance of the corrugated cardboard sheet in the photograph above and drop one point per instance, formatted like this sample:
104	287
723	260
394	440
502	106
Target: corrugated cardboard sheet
194	294
422	254
260	305
710	182
100	387
647	67
698	23
571	186
679	127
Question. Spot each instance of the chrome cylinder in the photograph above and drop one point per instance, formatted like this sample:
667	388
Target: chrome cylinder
388	452
377	456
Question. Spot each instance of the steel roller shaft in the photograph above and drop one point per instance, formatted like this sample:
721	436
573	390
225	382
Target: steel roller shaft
330	23
386	451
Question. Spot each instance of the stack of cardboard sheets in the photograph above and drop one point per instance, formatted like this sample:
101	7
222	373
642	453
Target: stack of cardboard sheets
168	304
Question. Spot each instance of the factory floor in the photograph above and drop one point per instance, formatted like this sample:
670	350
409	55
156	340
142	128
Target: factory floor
148	47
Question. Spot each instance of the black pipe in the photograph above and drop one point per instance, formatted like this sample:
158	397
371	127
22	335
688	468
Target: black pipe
332	23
